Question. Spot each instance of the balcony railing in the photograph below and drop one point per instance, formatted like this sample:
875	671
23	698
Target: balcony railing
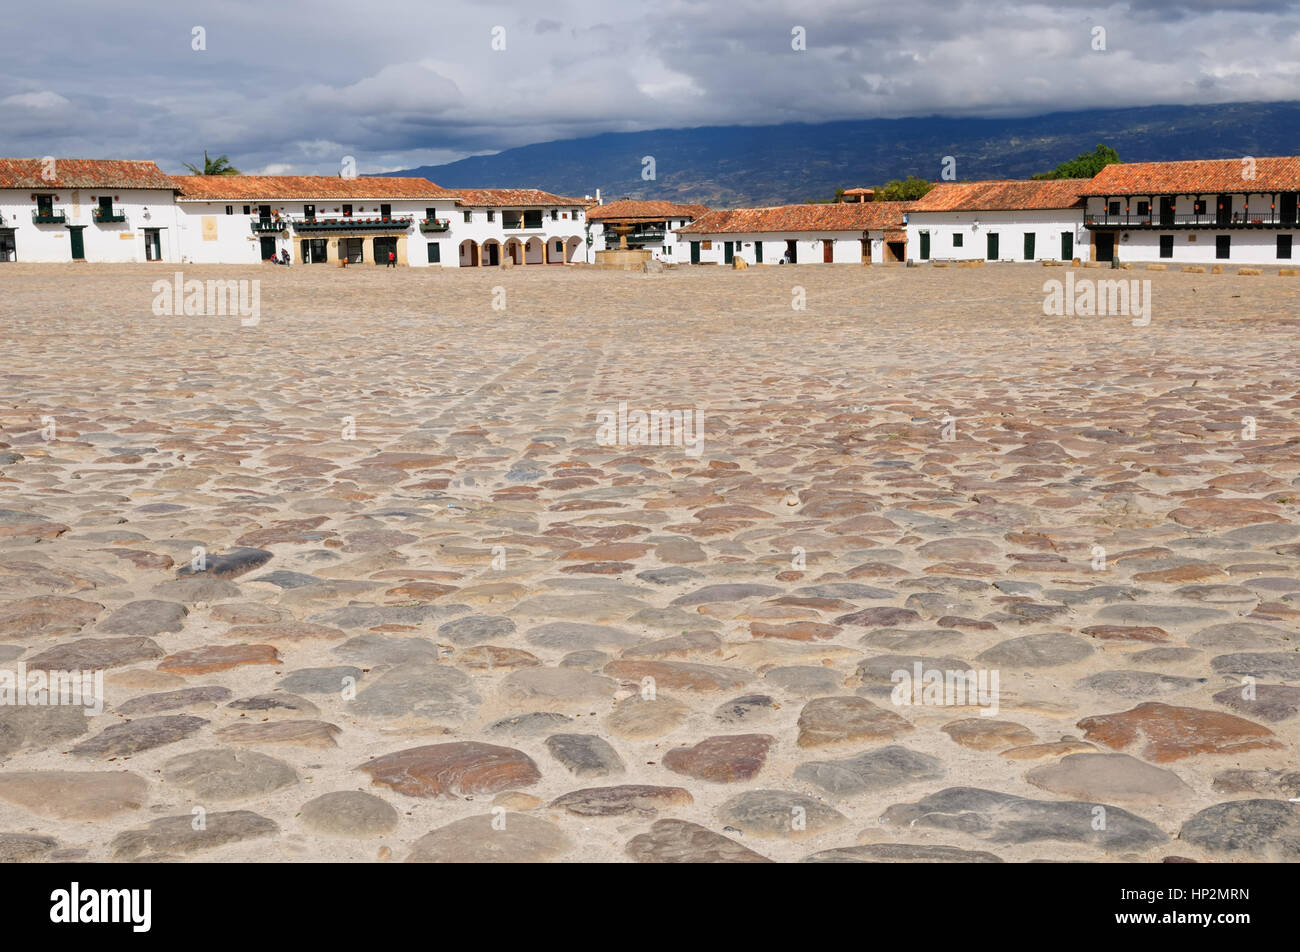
522	224
103	216
428	225
642	237
52	217
265	226
1207	219
392	223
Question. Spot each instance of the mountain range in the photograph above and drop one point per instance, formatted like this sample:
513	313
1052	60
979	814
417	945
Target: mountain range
733	166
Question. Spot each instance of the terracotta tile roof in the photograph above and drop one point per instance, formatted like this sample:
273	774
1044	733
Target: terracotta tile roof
84	173
1002	195
651	210
1280	174
514	198
246	188
838	216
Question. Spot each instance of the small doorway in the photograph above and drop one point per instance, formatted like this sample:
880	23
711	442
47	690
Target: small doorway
758	252
1288	208
435	252
1105	246
828	250
268	248
991	251
314	250
1224	211
925	247
1029	246
1166	210
78	242
866	248
1222	246
352	250
895	251
1067	246
8	245
383	247
695	252
728	252
153	244
792	251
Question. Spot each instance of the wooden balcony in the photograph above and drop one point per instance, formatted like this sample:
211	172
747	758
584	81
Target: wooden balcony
393	223
1208	219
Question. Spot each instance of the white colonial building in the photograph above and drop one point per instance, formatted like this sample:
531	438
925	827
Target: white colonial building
651	225
837	233
1002	220
523	226
317	219
1239	211
55	209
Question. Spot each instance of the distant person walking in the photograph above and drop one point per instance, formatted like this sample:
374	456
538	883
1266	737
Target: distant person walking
392	259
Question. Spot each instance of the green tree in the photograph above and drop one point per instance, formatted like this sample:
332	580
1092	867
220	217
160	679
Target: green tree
1083	165
903	190
218	166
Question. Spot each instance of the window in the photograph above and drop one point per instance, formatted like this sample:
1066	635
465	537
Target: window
469	216
559	247
1198	207
431	213
492	216
309	211
957	240
1166	246
575	213
1222	246
555	214
512	220
347	211
435	252
533	219
1112	208
385	211
106	206
1144	209
1283	247
248	209
230	209
45	205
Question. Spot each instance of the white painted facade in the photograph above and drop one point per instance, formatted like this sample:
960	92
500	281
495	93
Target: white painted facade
150	230
1249	236
479	236
222	232
963	235
770	247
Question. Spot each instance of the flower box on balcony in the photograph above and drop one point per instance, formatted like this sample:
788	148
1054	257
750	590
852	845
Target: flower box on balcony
392	223
434	224
103	217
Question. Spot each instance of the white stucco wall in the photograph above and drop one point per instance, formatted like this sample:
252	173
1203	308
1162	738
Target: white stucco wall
107	241
1047	226
846	247
486	223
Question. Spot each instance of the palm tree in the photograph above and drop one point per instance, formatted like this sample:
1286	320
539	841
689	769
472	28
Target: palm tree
218	166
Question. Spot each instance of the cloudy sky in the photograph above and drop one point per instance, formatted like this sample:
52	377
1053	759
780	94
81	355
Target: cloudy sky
295	87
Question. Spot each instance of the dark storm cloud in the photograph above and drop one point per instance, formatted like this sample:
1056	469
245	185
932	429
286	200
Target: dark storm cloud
410	83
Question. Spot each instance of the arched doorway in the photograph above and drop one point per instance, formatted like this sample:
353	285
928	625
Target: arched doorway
535	251
491	253
572	249
468	254
514	251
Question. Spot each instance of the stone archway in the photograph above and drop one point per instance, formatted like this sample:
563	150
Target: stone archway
535	251
572	249
469	255
514	251
491	253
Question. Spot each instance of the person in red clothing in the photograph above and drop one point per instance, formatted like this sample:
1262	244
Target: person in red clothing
392	259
